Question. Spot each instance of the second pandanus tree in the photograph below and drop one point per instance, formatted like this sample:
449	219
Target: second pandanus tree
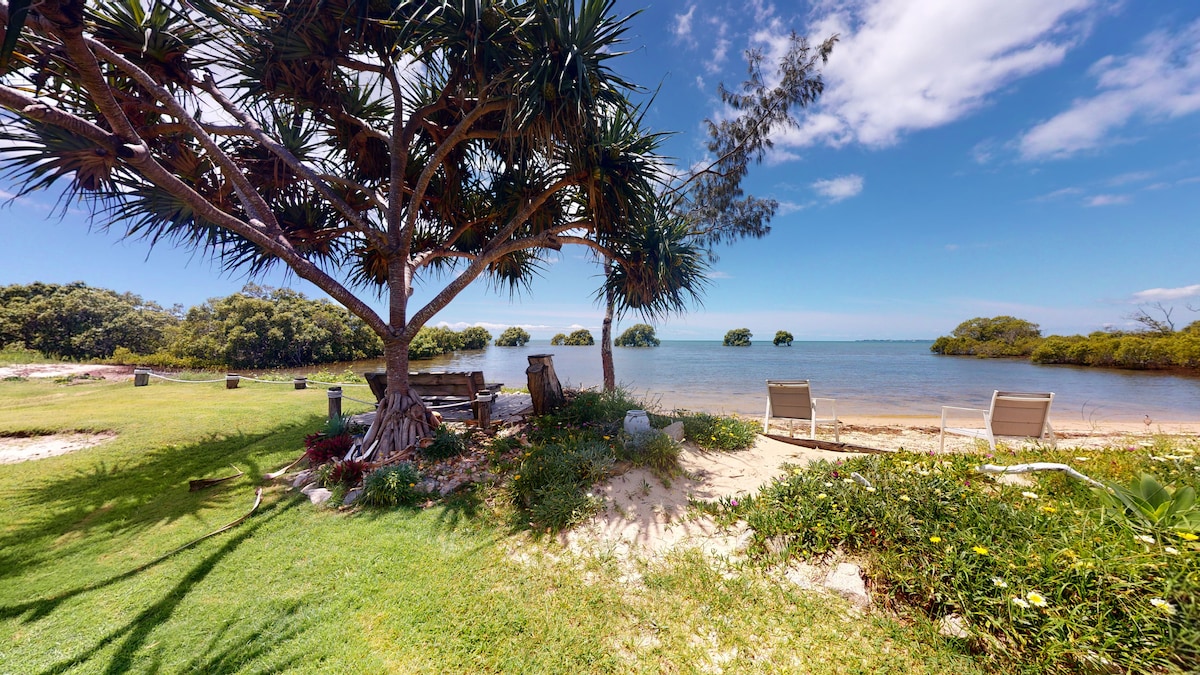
368	145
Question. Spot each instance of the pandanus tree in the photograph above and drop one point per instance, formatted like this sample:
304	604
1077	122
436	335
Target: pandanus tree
368	145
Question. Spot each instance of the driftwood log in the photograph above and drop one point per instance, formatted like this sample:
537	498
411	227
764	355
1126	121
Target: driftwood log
827	445
1041	466
544	387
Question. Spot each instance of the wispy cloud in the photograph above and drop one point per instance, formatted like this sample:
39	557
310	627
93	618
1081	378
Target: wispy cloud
1157	83
1167	294
786	207
717	274
907	65
1107	200
682	30
842	187
1130	177
1059	194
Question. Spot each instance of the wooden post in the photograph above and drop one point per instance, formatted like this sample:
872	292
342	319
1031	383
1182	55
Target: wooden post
544	387
483	409
300	382
231	381
141	377
335	402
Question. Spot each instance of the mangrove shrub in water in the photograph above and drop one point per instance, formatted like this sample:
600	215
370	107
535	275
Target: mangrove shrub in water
638	335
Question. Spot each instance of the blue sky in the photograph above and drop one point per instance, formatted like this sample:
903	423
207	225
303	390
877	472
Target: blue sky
1039	158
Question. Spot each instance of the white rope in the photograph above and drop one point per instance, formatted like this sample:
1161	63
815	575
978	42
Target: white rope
171	379
347	398
253	379
338	384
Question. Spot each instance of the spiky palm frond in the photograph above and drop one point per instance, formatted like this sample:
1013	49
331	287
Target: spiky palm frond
659	269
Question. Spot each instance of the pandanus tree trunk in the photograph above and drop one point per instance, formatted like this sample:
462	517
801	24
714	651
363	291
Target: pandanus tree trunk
401	420
606	342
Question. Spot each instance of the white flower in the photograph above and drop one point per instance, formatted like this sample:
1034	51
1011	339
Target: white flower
828	484
1036	599
847	480
870	489
1082	459
1019	602
999	583
1029	495
1145	538
1171	549
1163	605
904	498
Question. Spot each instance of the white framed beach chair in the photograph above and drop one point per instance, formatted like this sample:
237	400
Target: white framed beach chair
1012	414
792	400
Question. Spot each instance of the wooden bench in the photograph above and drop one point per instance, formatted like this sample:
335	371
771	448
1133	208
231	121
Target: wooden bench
442	388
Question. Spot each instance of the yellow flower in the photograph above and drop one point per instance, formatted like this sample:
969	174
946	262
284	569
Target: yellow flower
904	498
517	477
980	550
1187	536
822	496
1036	599
1047	508
935	539
607	438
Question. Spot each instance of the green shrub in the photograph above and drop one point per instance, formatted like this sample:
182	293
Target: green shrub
738	337
653	450
392	486
553	480
597	407
475	337
580	338
783	338
1043	580
638	335
712	432
446	443
514	336
558	340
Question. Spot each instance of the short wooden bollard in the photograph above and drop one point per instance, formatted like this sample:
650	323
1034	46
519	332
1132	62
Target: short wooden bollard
483	409
141	377
231	381
335	402
300	382
544	387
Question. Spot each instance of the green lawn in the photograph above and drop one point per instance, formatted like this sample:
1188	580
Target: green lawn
85	586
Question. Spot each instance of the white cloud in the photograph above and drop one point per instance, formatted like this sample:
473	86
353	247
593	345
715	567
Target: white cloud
907	65
842	187
1167	294
719	54
1160	82
716	274
1107	200
1130	177
1064	192
786	208
682	30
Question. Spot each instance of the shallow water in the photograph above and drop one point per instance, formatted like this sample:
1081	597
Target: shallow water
866	378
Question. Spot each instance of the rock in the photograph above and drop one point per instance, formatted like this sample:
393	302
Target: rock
846	580
451	485
953	625
316	495
352	496
302	478
778	545
675	431
428	486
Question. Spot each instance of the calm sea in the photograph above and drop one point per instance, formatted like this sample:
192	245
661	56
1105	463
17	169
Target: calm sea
866	378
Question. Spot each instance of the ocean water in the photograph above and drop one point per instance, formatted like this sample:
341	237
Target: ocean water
866	378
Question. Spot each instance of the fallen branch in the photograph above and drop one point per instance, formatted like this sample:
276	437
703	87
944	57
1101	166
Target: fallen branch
276	474
202	483
1041	466
219	530
827	445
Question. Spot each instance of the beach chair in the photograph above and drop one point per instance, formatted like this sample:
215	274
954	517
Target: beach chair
792	400
1013	414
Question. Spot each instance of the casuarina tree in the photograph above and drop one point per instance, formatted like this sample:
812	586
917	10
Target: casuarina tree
367	145
710	204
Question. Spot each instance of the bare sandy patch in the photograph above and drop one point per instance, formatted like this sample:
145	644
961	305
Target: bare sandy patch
22	449
44	370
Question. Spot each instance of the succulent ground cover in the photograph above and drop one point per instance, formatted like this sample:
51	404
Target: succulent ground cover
1051	575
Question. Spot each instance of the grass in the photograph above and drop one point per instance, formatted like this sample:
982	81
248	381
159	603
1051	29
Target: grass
14	354
88	583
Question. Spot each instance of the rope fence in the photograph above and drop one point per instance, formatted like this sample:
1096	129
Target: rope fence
141	378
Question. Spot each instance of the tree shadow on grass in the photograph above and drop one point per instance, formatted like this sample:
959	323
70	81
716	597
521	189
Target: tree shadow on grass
65	515
131	638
